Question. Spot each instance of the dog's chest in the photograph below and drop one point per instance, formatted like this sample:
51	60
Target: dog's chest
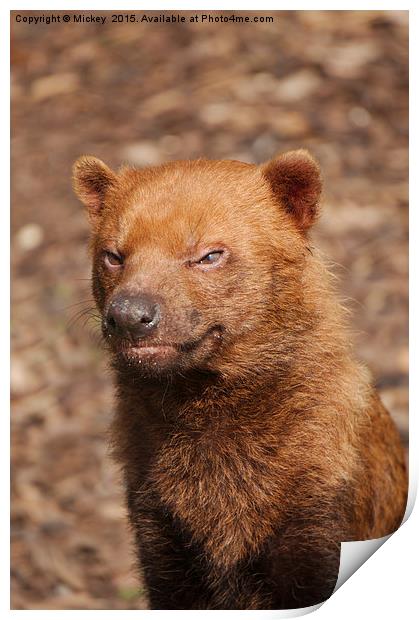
224	488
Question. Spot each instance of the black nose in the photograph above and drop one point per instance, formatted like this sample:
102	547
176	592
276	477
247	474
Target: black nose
132	317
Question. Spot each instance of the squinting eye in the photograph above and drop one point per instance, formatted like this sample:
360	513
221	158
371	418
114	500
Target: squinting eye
210	258
112	259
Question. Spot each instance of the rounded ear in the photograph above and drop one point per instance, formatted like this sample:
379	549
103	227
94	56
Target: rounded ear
91	180
296	184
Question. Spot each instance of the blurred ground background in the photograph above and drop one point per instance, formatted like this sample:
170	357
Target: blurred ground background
333	82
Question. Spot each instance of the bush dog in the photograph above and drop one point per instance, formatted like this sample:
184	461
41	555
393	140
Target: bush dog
251	441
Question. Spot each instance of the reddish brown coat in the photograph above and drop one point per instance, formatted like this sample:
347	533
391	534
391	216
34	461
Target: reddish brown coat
251	452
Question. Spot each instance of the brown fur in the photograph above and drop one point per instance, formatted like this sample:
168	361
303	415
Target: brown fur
251	452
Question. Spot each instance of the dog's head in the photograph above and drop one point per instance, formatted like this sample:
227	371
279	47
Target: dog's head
194	259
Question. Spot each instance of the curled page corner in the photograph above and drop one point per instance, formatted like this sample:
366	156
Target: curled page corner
354	554
411	498
286	613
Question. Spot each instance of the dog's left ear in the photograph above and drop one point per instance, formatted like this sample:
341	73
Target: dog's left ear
296	184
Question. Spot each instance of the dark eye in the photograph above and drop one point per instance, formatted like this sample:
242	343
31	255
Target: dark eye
112	259
210	258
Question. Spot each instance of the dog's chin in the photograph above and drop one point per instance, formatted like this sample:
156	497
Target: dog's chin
154	359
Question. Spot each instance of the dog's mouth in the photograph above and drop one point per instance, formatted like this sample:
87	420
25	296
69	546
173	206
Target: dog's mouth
156	351
142	351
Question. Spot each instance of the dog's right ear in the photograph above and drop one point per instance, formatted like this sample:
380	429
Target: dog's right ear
91	180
